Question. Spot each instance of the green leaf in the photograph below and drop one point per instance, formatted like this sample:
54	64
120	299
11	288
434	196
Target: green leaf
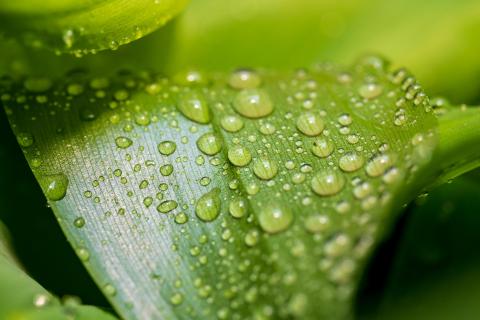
82	27
249	195
22	298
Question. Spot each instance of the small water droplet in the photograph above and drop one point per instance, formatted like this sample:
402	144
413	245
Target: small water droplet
79	222
317	223
166	170
378	165
181	218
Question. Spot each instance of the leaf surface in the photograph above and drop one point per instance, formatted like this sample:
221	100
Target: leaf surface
249	195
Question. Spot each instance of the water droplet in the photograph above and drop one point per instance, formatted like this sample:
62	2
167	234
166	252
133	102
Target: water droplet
181	218
205	181
167	206
274	218
209	143
83	254
237	208
244	79
253	103
123	142
267	129
41	300
176	299
55	186
252	237
345	119
37	84
322	147
167	147
370	90
142	119
317	223
109	290
239	156
265	168
79	222
193	105
378	165
231	123
25	139
208	205
327	182
166	170
351	161
147	202
74	89
310	124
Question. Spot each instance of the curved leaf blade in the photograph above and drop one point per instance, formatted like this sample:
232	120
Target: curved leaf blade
95	145
82	27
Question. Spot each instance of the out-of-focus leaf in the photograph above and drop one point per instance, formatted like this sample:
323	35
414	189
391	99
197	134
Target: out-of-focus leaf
81	27
435	268
22	298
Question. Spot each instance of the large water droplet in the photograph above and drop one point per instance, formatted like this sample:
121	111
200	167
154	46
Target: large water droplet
208	206
193	105
322	147
327	182
239	156
167	147
310	124
54	185
244	79
253	103
167	206
275	218
237	208
370	90
378	165
209	143
265	168
123	142
351	161
25	139
231	123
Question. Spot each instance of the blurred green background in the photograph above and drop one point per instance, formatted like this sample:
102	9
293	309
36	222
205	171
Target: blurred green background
429	267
